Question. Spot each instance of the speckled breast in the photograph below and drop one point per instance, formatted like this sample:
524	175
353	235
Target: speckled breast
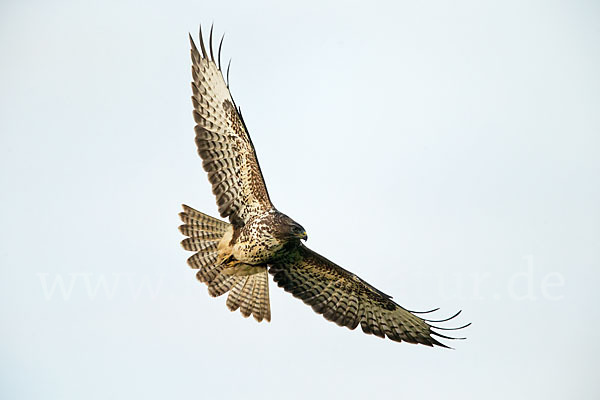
256	243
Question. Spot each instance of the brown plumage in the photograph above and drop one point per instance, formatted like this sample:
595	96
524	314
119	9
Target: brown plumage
235	257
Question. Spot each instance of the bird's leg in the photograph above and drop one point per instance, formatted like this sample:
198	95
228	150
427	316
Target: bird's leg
233	266
238	268
229	264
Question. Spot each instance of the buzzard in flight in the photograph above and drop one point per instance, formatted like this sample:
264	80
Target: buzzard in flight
236	257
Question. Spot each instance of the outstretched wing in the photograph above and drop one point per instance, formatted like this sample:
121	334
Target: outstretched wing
223	141
347	300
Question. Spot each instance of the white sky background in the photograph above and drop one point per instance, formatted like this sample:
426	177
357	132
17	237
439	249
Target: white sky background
446	152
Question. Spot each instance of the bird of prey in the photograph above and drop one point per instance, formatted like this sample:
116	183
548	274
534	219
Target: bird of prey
236	257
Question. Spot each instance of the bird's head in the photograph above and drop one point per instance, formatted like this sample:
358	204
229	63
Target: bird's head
298	232
289	230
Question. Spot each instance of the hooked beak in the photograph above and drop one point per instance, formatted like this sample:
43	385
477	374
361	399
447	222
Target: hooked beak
304	236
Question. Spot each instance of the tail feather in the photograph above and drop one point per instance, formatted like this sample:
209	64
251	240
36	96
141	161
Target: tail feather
193	232
261	308
251	295
248	285
202	260
191	216
199	244
221	284
209	273
247	297
233	300
200	225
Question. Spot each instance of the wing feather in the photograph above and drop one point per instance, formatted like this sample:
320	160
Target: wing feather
223	141
346	299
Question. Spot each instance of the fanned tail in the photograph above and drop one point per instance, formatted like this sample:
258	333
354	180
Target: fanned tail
248	286
249	291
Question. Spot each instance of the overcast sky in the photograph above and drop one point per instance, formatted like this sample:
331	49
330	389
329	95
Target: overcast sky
446	152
